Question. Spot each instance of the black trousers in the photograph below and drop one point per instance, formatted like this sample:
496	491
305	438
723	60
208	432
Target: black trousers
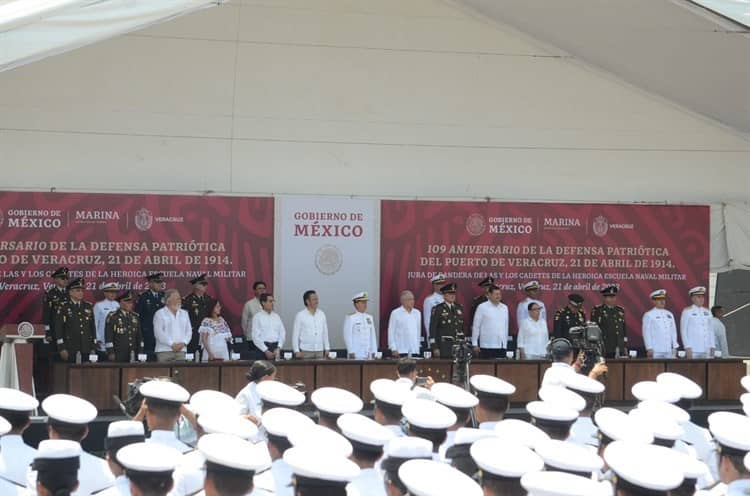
259	355
491	353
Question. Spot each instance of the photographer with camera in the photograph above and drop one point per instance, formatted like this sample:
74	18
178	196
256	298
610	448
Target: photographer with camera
563	355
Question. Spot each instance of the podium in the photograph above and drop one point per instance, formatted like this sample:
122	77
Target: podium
17	355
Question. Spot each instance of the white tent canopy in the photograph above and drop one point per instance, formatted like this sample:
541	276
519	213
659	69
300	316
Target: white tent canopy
31	30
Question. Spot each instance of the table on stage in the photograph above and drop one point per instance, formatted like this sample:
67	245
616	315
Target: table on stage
101	382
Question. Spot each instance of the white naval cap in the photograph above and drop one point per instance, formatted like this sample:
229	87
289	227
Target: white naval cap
408	448
57	450
438	278
470	435
531	285
500	458
278	393
548	411
645	466
652	390
692	468
569	457
4	426
745	383
659	293
562	397
317	435
216	422
489	385
234	453
665	409
320	464
17	401
110	286
431	478
582	384
618	426
207	400
562	484
687	388
428	414
125	428
661	426
282	421
336	401
730	430
363	432
167	391
69	409
697	290
148	457
453	396
525	433
361	296
390	392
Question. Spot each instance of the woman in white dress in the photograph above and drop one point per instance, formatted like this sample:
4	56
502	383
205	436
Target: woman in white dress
215	334
533	335
248	398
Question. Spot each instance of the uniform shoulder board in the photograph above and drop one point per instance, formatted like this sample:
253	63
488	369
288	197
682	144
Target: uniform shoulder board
350	314
136	314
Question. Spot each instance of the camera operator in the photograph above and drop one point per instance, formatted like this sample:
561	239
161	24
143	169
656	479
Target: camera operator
407	373
563	355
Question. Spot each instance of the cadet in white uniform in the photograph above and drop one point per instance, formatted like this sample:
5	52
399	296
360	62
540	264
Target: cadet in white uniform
433	299
460	402
360	335
502	465
56	467
494	398
404	327
732	434
367	438
331	402
429	420
583	431
696	329
68	418
7	486
15	455
659	328
163	400
397	452
320	470
390	396
102	309
430	478
120	434
231	464
278	423
643	468
531	289
149	467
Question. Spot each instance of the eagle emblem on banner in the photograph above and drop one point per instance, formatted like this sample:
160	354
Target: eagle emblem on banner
143	219
601	226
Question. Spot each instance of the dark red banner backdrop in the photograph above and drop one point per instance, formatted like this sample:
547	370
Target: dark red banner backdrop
120	238
568	248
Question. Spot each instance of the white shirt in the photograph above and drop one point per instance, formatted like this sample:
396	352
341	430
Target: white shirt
490	326
522	311
555	375
267	328
720	336
696	330
249	400
15	458
429	302
533	337
310	332
584	432
101	310
404	328
170	328
168	438
251	308
369	482
360	335
659	331
9	489
282	478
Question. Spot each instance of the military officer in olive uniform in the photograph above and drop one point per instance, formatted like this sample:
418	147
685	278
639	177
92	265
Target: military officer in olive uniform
478	300
571	315
149	302
195	305
446	321
122	331
610	318
74	325
53	297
